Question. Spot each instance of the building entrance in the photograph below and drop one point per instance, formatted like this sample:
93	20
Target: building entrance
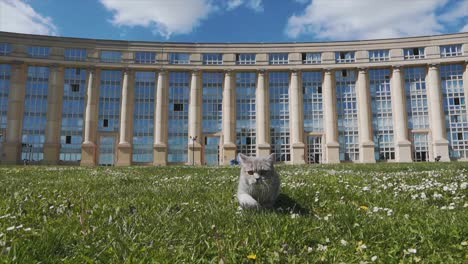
314	149
107	150
212	150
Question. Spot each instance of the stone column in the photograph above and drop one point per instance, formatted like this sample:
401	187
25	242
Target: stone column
330	120
366	142
262	101
54	115
436	114
124	148
229	118
160	120
195	121
400	117
12	146
89	147
296	122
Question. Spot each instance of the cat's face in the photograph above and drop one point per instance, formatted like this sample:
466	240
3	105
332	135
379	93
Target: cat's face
256	170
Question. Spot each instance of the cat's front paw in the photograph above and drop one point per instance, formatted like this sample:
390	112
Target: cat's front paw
247	202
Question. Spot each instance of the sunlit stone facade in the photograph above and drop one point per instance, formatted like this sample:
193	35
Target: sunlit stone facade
103	102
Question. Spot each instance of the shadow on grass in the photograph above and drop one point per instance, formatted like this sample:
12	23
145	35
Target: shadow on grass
287	205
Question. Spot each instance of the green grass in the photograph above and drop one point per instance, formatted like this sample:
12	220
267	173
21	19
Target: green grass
342	213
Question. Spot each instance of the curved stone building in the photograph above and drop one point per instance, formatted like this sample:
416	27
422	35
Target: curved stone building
107	102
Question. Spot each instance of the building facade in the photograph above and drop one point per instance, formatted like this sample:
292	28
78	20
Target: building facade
104	102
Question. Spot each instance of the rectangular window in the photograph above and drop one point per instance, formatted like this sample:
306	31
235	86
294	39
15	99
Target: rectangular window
246	58
179	58
313	101
109	100
68	140
5	49
75	54
451	50
179	88
420	147
246	113
416	98
178	107
212	58
212	100
414	53
145	57
39	52
379	55
344	56
111	56
5	75
311	58
279	115
75	87
278	58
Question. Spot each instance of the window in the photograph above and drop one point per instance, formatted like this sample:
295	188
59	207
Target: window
145	57
414	53
111	56
212	58
179	58
311	58
178	107
344	73
39	52
68	140
344	56
245	58
379	55
246	113
105	123
75	54
5	49
278	58
313	103
75	87
451	50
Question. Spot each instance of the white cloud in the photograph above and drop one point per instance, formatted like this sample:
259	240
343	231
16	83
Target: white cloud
465	28
17	16
168	17
369	19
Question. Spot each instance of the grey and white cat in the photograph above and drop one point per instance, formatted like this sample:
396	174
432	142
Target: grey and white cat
259	184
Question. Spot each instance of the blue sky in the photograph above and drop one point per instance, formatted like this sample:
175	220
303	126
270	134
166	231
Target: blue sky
234	20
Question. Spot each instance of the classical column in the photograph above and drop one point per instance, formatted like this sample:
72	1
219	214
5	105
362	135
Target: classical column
229	118
195	120
89	147
12	146
54	115
400	117
330	120
366	142
160	120
296	122
262	100
124	148
436	114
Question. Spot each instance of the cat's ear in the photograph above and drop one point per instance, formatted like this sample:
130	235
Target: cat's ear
271	158
242	158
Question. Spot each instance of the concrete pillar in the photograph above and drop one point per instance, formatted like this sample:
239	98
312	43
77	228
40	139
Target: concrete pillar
296	122
54	115
262	101
229	118
89	146
400	117
124	148
436	114
160	120
366	142
330	120
195	120
12	145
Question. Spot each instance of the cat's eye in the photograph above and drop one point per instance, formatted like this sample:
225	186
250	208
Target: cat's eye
250	172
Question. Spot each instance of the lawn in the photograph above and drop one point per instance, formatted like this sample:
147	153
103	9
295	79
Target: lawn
383	213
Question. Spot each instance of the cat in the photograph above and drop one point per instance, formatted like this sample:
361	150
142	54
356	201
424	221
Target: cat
259	184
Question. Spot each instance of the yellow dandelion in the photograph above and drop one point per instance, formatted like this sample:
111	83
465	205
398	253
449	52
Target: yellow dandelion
252	256
464	243
363	207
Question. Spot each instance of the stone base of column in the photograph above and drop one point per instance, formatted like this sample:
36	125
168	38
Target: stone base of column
11	153
263	150
403	152
367	152
229	153
441	148
124	154
51	154
194	154
159	154
298	153
88	154
332	154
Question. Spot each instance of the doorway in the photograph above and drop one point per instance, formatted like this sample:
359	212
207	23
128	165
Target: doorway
107	150
212	150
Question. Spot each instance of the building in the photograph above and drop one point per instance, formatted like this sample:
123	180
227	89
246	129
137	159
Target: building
107	102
